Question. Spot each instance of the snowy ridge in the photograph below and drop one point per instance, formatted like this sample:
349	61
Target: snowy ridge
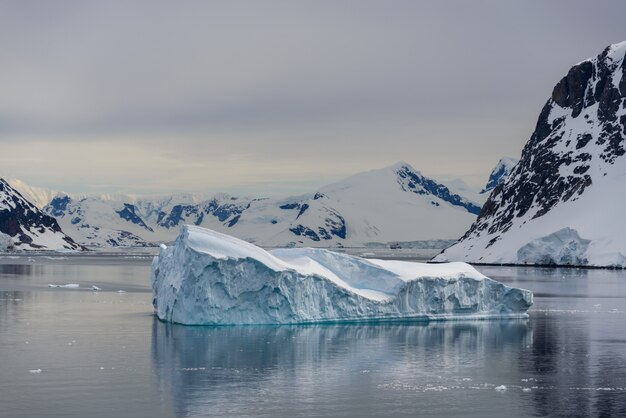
38	196
559	205
392	204
212	278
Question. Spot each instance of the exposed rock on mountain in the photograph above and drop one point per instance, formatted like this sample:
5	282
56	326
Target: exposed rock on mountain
562	202
24	227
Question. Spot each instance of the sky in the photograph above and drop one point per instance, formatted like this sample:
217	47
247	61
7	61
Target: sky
278	97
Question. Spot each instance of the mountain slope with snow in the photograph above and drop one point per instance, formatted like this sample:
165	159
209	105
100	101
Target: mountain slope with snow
561	204
38	196
24	227
395	203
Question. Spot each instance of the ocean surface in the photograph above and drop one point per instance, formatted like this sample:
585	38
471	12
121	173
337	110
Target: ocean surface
73	352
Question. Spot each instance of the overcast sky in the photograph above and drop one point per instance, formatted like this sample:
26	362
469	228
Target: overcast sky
278	97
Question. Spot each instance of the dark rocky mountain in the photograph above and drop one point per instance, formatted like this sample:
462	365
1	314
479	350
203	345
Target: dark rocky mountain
562	199
25	227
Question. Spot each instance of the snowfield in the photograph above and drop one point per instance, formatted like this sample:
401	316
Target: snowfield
208	278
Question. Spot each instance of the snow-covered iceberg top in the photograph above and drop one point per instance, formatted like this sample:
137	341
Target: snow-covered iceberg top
208	278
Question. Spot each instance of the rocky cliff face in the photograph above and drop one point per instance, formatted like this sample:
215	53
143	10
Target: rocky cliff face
25	227
571	174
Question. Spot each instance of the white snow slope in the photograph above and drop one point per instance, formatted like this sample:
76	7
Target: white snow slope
38	196
562	203
212	278
392	204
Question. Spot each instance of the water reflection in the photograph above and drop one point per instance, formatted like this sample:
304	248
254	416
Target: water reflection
8	270
203	365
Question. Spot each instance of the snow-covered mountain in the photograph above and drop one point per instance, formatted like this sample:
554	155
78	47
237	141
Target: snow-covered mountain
24	227
499	174
38	196
395	203
562	202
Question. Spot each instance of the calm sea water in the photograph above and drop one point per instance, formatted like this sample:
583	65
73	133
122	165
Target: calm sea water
73	352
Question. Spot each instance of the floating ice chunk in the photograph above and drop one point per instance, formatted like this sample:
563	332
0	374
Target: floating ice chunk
121	291
501	388
68	286
212	278
95	288
526	389
35	371
563	247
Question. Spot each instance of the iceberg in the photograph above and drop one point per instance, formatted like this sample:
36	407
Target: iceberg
209	278
563	247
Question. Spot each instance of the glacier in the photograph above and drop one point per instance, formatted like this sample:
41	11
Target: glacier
209	278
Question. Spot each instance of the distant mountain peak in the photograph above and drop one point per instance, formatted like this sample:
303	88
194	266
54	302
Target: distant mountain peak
499	173
413	181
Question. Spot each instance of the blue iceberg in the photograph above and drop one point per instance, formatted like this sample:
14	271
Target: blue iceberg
208	278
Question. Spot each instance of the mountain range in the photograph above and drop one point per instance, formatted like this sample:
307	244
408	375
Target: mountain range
392	204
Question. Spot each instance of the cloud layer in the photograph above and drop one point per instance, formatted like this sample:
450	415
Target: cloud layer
278	96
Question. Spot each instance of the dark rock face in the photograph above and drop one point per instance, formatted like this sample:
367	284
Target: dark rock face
129	213
414	182
58	205
499	174
334	226
581	126
18	217
229	213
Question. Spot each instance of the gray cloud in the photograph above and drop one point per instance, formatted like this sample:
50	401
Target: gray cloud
278	93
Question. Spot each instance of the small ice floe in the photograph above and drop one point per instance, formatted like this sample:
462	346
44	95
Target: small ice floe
95	288
526	389
121	291
500	388
67	286
35	371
